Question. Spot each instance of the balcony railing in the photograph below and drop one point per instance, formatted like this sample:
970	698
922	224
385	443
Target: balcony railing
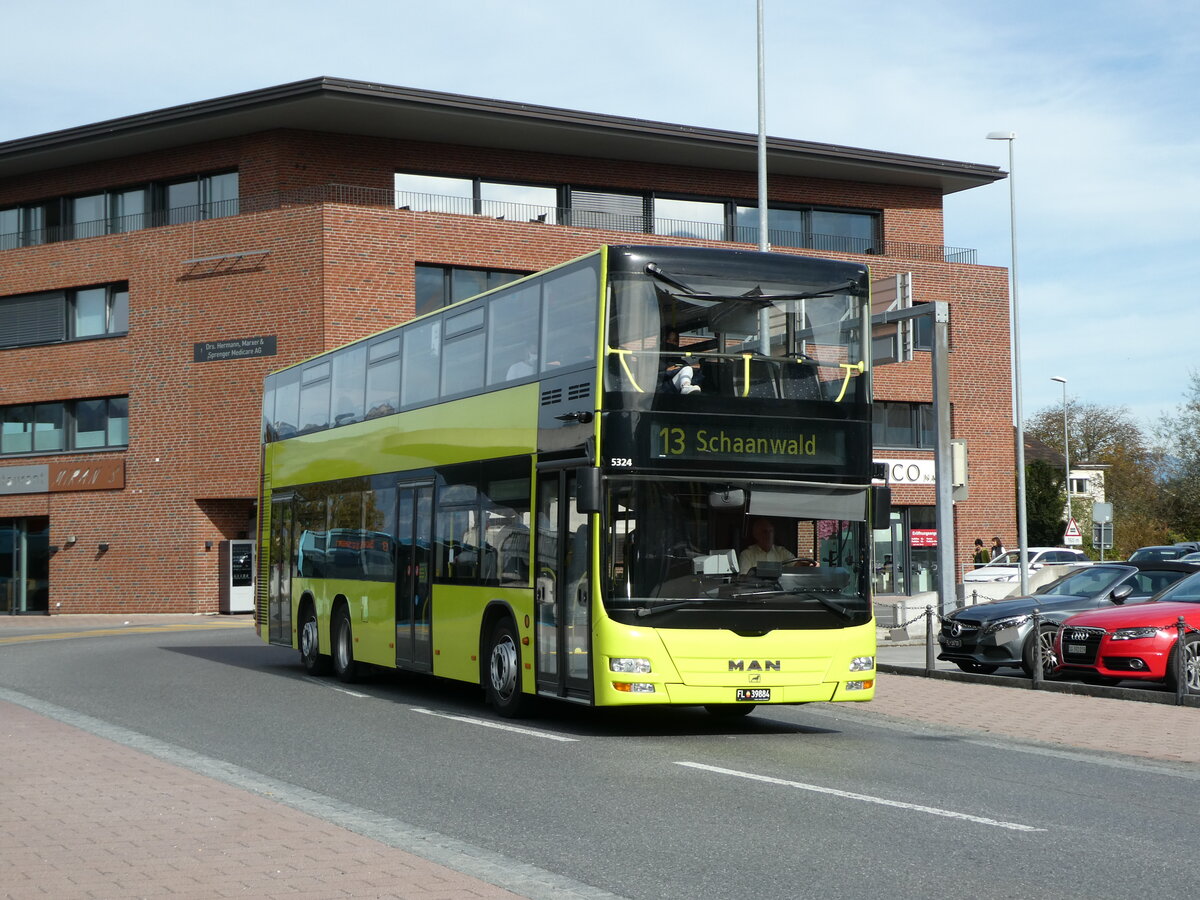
500	210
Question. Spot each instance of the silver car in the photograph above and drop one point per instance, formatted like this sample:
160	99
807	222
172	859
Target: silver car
984	637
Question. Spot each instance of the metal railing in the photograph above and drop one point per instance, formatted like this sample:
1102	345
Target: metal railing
495	209
73	231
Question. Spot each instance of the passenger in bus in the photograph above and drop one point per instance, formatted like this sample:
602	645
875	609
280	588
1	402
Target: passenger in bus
524	367
764	548
681	373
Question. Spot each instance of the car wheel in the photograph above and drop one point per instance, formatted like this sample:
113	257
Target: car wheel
1191	665
729	710
1049	658
314	662
975	668
502	678
344	666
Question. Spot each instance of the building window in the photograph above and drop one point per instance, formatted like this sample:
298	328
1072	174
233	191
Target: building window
201	197
639	212
71	425
903	425
703	219
513	201
120	210
438	286
74	314
814	229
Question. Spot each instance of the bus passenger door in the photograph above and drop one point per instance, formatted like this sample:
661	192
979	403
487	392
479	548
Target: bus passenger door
414	555
562	589
279	596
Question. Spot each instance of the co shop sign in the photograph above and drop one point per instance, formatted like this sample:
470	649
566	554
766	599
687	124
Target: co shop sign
909	471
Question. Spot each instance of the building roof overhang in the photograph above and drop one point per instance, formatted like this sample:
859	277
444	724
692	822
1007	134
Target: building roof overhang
361	108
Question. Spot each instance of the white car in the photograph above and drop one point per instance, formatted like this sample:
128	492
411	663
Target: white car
1007	566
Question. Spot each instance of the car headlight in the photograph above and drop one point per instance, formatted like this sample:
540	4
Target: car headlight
1000	624
629	666
1133	634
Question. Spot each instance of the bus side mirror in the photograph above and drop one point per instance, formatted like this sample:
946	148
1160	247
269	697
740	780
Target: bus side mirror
587	490
881	506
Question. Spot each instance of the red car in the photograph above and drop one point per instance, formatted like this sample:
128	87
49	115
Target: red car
1135	642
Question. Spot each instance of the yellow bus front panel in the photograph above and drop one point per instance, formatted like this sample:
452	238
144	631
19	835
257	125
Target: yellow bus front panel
706	667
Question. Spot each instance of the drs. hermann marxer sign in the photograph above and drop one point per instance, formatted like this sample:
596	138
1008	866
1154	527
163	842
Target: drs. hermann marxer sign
237	348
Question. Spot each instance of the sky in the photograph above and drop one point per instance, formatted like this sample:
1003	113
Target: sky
1104	98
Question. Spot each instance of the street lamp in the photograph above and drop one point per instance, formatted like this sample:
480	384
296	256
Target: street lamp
1066	447
1022	529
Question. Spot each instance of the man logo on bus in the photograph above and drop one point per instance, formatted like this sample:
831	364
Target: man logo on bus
767	665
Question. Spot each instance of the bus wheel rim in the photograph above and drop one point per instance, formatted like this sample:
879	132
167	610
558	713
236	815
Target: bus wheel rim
308	637
504	667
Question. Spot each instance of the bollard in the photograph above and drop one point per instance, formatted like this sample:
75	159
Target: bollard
928	640
1037	649
1181	685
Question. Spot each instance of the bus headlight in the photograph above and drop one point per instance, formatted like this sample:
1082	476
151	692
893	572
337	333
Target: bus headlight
629	666
862	664
635	688
859	685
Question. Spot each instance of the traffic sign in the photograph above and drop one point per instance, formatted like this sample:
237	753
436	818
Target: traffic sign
1072	537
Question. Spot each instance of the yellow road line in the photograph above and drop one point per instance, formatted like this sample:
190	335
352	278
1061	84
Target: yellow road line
131	629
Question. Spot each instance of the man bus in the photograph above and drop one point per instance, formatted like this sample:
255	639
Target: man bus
560	518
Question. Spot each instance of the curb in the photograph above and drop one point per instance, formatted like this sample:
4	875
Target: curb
1051	687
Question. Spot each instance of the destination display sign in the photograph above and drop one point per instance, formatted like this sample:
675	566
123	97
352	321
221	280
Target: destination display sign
753	440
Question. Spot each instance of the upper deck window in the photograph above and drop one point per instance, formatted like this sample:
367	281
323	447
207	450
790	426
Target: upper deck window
665	316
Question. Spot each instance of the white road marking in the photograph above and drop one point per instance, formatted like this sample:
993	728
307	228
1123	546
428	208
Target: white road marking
486	724
340	690
866	798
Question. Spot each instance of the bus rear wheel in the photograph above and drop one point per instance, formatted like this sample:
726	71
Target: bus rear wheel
344	666
314	662
502	677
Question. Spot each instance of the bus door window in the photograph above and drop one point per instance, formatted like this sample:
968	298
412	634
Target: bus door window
577	557
414	527
562	588
279	602
545	580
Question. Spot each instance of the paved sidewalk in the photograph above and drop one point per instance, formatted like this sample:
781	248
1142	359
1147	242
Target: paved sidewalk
93	818
1149	730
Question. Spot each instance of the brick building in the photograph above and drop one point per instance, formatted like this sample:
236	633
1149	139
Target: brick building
154	268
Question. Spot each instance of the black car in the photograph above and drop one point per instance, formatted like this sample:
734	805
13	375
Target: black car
1159	553
984	637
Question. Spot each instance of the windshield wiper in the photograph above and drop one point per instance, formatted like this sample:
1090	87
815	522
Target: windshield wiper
667	607
833	607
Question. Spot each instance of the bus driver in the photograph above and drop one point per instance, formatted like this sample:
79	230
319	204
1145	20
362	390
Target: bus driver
764	548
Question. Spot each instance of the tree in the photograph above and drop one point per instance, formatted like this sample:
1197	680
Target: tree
1108	436
1179	435
1043	504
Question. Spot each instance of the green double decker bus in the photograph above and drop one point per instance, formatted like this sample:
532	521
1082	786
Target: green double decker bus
640	477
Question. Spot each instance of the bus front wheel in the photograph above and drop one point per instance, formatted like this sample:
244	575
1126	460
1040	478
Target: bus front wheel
314	662
502	678
344	666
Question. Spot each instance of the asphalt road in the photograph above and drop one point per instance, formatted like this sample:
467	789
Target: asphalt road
822	800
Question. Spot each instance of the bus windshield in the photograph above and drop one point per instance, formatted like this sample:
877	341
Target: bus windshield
718	548
713	322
